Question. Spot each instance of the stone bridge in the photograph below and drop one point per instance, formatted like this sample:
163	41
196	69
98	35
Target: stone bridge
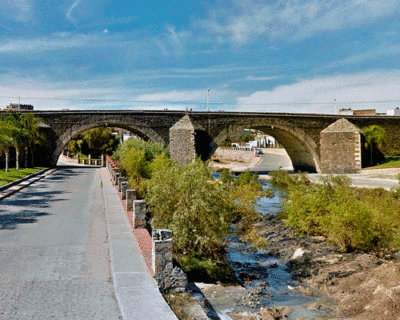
200	133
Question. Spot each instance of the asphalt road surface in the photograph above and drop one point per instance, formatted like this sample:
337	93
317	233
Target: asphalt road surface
272	160
54	252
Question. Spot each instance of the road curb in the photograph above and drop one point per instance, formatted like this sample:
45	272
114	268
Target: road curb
136	290
15	186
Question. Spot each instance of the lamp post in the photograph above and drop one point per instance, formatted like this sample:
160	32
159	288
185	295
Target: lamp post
208	100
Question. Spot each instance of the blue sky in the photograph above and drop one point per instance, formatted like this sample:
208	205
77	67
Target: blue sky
275	56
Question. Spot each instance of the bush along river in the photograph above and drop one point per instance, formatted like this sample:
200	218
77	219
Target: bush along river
268	287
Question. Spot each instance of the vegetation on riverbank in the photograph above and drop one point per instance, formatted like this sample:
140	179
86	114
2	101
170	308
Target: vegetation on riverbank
353	219
189	201
14	174
390	162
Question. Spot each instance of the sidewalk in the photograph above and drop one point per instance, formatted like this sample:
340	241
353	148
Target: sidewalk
136	290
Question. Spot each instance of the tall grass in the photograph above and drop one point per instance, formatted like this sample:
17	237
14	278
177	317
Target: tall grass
353	219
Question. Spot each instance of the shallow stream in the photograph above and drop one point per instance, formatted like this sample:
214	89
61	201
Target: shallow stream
266	279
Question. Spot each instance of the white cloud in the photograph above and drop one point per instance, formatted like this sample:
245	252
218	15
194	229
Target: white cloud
173	42
17	10
326	95
70	11
50	43
175	96
295	18
64	40
380	52
253	78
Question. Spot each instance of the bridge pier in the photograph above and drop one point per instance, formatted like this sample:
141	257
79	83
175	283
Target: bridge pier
341	148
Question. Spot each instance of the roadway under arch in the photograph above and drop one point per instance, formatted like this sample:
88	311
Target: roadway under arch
301	149
145	133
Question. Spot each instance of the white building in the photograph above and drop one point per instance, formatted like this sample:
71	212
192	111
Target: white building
393	112
346	111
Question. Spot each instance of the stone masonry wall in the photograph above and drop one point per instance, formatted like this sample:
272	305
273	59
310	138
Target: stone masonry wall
340	152
167	276
234	155
182	141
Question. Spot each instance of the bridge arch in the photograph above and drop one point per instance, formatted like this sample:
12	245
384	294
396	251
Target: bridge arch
301	148
142	131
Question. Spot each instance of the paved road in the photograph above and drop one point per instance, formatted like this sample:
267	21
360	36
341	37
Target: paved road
54	254
273	159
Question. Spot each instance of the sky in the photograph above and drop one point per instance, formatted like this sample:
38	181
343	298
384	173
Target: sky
298	56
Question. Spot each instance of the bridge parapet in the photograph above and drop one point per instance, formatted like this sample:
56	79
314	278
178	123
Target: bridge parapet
300	134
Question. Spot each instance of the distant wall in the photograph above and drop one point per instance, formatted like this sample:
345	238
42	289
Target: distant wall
229	154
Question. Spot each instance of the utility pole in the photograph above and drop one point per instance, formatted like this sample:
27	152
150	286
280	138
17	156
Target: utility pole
208	108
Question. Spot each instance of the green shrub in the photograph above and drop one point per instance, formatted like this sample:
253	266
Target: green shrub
196	208
284	179
244	192
149	148
138	160
205	269
353	219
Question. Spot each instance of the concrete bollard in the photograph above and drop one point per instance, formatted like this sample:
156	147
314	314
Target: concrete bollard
124	188
139	214
130	197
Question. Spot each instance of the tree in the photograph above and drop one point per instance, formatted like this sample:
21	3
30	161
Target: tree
6	138
30	125
247	137
101	141
375	138
20	137
196	208
96	142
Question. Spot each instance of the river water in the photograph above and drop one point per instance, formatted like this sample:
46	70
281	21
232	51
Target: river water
266	280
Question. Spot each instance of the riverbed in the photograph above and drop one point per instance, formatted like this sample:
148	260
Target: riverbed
265	281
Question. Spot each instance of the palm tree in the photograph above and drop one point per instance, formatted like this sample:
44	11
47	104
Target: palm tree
6	137
19	135
375	137
34	136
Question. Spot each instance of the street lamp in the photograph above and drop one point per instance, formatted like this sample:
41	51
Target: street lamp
208	99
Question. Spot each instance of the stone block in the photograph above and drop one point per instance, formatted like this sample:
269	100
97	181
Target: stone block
139	214
162	250
130	197
168	277
124	187
116	176
120	180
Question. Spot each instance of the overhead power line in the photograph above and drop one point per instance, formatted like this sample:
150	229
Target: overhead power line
200	102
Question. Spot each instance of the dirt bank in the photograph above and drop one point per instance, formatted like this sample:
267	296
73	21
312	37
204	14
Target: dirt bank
356	285
361	285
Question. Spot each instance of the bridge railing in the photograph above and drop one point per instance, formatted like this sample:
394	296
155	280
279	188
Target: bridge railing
91	162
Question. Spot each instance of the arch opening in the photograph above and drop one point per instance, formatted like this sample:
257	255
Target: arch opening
63	141
300	148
